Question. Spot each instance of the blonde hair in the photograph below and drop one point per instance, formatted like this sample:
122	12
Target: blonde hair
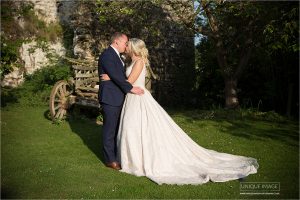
138	48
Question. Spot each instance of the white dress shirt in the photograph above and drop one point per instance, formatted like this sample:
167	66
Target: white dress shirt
118	54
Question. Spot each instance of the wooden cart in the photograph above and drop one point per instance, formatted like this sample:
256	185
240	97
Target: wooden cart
82	89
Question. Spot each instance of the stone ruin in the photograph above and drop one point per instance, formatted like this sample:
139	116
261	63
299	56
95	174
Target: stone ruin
171	49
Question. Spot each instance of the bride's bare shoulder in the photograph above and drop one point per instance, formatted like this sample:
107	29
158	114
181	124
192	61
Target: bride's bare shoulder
139	63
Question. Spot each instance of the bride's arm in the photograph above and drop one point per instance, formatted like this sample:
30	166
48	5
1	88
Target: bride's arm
136	71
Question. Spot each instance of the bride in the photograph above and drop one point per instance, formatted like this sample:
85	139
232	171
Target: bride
151	144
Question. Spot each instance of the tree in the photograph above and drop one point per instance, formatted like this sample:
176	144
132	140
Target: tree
170	45
282	45
236	29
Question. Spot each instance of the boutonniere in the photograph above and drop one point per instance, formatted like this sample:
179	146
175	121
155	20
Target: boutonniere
123	57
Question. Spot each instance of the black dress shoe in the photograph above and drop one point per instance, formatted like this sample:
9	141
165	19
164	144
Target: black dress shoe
113	165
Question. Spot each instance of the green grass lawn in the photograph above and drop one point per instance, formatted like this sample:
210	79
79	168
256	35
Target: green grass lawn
44	160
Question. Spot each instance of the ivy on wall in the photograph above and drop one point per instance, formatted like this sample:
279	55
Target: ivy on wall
20	25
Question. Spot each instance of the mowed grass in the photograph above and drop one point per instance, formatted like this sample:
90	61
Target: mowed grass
40	159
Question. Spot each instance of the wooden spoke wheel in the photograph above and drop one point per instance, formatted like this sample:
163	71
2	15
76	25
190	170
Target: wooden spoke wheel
60	99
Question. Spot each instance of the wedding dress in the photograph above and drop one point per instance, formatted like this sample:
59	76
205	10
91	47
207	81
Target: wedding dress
151	144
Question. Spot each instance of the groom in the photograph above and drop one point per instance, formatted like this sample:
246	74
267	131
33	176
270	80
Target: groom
112	95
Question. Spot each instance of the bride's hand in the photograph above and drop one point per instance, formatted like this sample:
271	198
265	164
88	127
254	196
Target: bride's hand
104	77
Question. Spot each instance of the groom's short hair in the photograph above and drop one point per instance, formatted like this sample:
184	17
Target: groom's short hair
115	36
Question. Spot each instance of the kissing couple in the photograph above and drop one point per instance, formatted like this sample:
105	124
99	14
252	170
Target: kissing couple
140	138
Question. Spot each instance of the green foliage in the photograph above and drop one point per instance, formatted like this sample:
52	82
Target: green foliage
68	35
40	83
37	86
48	76
105	9
274	67
13	35
170	45
56	121
8	24
131	17
282	32
239	114
100	117
208	88
26	9
36	27
51	32
9	55
271	30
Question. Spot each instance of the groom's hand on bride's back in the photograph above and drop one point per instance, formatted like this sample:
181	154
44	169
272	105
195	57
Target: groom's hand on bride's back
104	77
134	90
137	90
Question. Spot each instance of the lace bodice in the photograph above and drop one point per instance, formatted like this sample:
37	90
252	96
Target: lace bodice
140	81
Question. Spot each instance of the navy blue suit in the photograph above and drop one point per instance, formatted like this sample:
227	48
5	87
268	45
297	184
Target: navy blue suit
111	97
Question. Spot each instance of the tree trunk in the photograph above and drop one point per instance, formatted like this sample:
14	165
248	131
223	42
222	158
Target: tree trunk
231	99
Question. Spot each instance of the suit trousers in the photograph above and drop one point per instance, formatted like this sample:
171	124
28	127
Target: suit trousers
111	118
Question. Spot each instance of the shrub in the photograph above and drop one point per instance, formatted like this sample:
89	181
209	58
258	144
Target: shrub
13	35
9	55
37	86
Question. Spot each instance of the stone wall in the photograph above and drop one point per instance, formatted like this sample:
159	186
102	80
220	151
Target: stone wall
46	10
33	58
171	45
32	55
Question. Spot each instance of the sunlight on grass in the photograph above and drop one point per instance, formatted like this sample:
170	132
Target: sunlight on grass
44	160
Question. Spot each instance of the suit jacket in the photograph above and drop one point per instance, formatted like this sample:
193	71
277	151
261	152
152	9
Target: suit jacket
112	92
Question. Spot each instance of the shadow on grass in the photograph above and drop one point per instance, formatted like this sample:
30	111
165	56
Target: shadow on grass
87	129
90	133
47	115
8	193
257	130
8	96
249	127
